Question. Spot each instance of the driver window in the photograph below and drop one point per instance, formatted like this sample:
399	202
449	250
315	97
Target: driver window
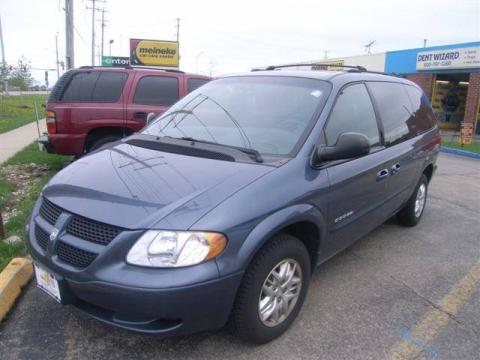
353	112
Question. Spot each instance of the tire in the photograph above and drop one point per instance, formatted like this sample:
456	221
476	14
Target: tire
98	143
281	250
410	215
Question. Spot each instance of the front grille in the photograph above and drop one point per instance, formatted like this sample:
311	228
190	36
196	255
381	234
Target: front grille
91	230
42	237
74	256
49	211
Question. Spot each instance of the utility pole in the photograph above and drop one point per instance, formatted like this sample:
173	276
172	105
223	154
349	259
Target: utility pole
93	31
178	40
103	33
56	53
69	41
93	8
4	69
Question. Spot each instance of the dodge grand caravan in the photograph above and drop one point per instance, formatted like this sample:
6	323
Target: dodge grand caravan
91	106
222	207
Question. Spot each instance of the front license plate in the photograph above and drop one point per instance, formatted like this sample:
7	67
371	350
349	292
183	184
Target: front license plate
47	282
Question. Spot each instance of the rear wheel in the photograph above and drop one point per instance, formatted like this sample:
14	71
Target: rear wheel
411	214
98	143
272	291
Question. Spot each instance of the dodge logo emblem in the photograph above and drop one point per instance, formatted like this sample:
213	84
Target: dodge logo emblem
53	234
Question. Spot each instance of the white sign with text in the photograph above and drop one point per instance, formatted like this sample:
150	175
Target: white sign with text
462	58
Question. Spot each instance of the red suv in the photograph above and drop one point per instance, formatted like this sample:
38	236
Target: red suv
91	106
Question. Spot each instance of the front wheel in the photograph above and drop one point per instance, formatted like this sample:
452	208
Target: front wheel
273	290
411	214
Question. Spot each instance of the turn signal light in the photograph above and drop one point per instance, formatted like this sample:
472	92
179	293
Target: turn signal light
51	122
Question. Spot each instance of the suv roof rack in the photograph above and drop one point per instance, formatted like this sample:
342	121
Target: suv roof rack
351	68
357	68
130	67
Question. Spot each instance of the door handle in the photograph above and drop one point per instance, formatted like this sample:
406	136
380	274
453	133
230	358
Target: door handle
395	169
382	174
140	115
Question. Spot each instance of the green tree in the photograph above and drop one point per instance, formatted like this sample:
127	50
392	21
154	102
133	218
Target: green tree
21	75
4	74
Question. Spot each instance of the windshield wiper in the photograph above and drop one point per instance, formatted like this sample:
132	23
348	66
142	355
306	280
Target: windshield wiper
254	154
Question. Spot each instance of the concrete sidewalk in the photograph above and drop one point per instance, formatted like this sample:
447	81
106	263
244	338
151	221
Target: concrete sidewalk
15	140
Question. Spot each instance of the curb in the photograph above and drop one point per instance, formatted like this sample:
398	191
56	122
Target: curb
460	152
16	275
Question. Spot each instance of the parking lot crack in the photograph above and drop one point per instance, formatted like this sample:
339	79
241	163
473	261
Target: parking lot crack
430	302
454	203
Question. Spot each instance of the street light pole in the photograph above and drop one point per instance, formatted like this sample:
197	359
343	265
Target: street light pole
56	53
196	60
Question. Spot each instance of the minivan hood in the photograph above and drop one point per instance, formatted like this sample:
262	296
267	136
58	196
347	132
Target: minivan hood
136	188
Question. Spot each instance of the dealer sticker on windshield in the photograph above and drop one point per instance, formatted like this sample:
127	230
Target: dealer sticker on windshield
47	282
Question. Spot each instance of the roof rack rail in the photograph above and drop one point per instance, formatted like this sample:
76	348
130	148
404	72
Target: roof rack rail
357	68
351	68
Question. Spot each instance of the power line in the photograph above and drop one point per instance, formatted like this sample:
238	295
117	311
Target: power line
80	35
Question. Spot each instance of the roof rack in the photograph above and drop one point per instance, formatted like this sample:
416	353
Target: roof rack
130	67
357	68
351	68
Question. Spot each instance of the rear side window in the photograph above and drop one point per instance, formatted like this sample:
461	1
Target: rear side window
394	107
193	84
95	86
421	110
156	90
352	112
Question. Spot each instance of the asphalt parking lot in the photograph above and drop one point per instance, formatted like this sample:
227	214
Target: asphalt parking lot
397	293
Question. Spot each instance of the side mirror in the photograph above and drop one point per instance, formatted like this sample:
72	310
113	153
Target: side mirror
150	117
349	145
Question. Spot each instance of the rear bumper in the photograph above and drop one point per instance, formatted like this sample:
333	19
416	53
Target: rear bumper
45	142
64	144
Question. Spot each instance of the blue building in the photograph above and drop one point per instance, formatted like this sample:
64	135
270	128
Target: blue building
449	75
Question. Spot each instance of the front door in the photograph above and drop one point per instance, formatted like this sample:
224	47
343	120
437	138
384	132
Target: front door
358	189
151	94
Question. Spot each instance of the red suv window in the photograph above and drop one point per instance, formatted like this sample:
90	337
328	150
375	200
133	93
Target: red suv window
95	86
156	90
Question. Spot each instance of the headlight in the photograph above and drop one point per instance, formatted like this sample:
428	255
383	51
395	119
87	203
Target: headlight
157	248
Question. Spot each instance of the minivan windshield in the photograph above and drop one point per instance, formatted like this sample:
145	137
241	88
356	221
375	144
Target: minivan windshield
269	114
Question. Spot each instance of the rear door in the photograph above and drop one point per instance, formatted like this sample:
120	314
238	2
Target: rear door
357	191
151	93
400	127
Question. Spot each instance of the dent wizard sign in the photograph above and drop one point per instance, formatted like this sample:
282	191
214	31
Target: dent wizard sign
153	53
462	58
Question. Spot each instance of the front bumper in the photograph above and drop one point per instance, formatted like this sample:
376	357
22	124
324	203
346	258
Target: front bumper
165	312
159	301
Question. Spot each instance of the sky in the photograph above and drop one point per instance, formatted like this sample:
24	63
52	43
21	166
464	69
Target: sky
221	37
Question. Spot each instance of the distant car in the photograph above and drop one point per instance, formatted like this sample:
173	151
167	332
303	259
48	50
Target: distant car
91	106
223	206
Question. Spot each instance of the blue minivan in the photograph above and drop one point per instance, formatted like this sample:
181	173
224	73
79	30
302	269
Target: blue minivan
221	208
